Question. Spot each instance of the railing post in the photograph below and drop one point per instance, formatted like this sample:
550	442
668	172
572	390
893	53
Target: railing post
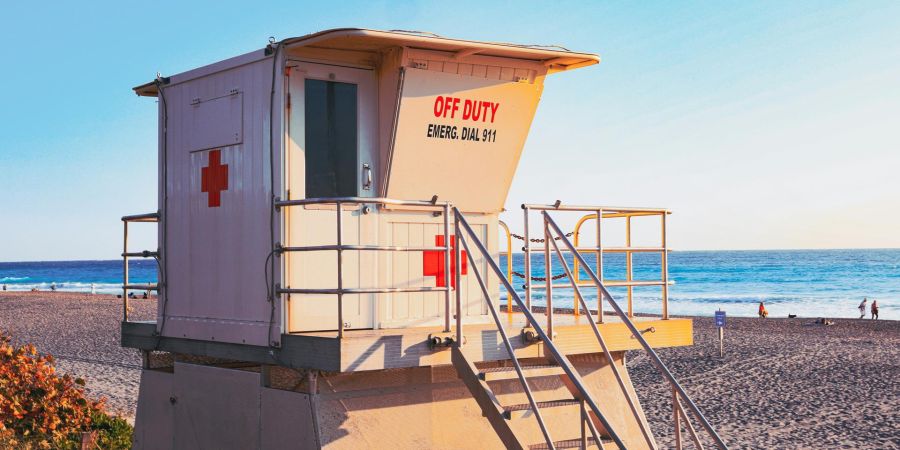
447	266
677	417
628	264
509	264
664	268
125	273
599	265
548	274
340	266
584	419
457	268
526	249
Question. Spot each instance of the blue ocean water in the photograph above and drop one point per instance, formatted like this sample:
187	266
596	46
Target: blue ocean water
809	283
75	276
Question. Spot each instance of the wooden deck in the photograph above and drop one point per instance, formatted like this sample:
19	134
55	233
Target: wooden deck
361	350
408	347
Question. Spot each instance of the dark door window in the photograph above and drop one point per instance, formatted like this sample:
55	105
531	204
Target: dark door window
331	139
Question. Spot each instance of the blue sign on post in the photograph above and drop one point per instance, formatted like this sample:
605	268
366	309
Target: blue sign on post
720	318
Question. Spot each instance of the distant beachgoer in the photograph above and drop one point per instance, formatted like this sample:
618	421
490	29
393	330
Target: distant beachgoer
874	309
763	313
93	288
34	290
145	295
53	287
862	308
4	287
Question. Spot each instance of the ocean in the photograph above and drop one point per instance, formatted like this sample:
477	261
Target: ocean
808	283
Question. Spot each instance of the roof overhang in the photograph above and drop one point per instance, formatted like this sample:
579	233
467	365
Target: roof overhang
362	40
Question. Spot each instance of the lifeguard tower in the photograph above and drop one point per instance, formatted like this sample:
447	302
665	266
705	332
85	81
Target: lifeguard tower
329	253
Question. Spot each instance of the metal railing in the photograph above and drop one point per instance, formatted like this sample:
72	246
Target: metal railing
126	285
678	392
601	212
340	248
463	233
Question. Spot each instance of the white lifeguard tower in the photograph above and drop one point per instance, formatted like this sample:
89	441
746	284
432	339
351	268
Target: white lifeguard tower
329	248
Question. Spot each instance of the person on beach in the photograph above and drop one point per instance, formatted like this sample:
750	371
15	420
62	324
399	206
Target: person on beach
763	313
862	308
874	309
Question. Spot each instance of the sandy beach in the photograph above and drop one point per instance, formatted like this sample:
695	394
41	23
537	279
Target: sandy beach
783	383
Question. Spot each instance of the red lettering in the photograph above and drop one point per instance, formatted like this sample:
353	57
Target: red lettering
476	111
467	110
438	106
455	107
494	108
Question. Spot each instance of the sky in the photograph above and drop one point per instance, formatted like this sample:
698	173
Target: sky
761	125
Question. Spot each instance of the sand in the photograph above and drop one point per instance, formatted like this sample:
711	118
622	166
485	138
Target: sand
783	383
82	332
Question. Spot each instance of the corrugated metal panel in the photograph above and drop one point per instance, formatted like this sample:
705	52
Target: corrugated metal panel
216	286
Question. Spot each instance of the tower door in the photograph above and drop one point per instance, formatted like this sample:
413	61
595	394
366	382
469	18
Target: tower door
332	152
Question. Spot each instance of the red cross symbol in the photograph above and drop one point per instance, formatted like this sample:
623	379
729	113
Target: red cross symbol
214	179
433	262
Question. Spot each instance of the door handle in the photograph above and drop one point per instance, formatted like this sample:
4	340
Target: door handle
367	177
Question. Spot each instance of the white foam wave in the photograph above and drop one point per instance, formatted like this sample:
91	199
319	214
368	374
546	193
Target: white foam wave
9	279
72	286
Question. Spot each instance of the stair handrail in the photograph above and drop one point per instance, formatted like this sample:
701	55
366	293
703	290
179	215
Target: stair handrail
574	377
587	311
637	335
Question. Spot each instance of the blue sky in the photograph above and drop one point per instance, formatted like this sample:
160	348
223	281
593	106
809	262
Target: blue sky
761	124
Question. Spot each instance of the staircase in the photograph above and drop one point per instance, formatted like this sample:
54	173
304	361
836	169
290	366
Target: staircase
509	420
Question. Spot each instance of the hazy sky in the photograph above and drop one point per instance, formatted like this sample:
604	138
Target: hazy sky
761	124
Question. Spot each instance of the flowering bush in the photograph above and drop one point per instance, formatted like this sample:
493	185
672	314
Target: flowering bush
40	409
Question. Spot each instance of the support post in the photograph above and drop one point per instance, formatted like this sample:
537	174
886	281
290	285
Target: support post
628	265
457	268
526	249
447	267
677	418
721	342
340	266
584	419
125	273
599	265
548	274
664	268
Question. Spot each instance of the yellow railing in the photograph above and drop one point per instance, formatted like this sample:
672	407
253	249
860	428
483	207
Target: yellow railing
629	282
509	264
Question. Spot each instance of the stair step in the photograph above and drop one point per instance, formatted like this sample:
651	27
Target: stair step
522	409
568	443
509	373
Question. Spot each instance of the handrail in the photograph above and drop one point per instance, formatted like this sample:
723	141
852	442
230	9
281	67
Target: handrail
340	248
574	377
638	336
126	286
645	428
628	250
606	209
147	217
360	200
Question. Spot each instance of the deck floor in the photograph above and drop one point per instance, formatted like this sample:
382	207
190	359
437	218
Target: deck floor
376	349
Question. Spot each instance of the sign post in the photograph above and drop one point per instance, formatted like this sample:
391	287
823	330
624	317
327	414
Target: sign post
720	324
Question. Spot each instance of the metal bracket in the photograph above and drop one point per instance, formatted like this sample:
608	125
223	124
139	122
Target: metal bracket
442	341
